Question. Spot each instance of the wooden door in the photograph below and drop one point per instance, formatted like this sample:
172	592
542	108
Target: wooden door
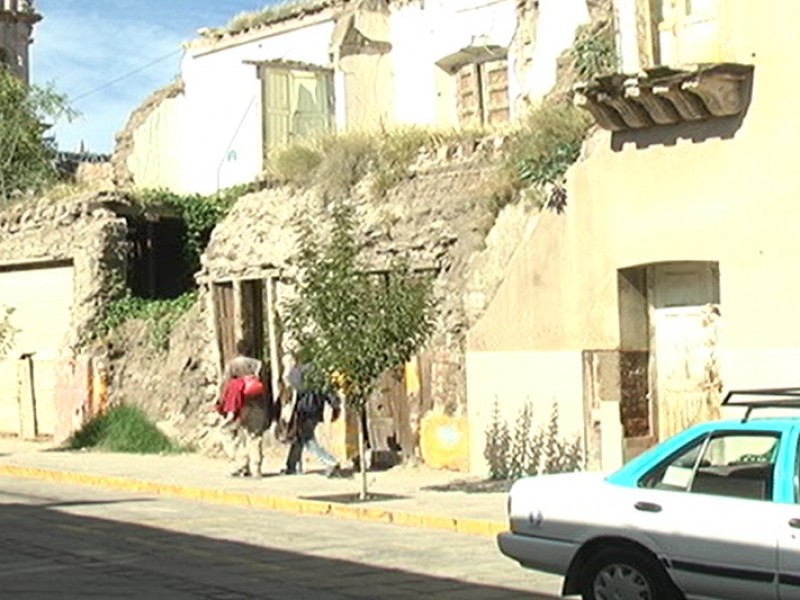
222	297
684	304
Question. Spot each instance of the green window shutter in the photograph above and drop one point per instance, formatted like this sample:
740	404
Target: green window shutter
277	108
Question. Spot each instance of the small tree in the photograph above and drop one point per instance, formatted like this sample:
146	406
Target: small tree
27	155
353	325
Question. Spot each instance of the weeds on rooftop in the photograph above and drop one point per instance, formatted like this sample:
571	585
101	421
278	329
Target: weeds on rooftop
270	14
337	162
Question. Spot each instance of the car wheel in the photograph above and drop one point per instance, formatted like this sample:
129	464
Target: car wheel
620	574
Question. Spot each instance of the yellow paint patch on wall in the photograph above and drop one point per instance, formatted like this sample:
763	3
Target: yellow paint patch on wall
444	442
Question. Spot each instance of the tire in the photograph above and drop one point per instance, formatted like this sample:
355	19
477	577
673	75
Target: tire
622	574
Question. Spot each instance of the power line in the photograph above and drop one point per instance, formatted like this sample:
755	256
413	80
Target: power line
125	76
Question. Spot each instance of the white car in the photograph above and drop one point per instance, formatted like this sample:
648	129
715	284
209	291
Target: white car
713	513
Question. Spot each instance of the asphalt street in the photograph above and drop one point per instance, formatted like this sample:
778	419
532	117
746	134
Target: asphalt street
64	541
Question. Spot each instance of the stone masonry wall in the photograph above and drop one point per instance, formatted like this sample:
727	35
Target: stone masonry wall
438	218
80	229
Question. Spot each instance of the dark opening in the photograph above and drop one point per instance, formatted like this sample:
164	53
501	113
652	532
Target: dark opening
158	265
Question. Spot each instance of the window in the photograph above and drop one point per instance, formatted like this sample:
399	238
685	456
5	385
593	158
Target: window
735	465
482	93
298	102
688	31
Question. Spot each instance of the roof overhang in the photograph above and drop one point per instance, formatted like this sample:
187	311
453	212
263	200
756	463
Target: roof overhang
470	55
666	96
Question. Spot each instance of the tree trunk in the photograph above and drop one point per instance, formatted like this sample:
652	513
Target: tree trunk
362	461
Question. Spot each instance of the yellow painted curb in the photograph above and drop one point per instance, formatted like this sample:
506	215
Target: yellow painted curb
479	527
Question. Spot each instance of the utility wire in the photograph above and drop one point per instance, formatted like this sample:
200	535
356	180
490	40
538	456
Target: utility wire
125	76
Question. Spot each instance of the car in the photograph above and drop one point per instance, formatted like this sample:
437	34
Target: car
712	513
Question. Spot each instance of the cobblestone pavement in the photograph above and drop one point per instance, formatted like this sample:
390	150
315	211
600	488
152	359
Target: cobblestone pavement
63	541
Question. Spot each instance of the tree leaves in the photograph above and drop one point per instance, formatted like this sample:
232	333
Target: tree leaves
351	324
27	155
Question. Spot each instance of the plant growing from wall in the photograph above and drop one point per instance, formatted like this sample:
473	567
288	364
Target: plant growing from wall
594	51
546	145
160	315
7	331
528	451
352	326
27	154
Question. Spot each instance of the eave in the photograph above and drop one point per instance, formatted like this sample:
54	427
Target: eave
666	96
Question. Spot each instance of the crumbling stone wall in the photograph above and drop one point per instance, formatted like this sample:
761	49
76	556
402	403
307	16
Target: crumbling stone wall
124	147
437	218
80	229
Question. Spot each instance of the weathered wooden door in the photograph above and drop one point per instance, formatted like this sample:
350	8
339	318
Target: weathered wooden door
685	307
222	297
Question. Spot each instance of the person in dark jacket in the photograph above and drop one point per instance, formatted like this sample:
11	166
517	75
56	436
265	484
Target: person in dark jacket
309	411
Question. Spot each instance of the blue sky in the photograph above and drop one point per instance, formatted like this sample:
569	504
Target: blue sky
84	46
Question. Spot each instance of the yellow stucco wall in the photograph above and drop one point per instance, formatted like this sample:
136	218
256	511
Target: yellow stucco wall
713	191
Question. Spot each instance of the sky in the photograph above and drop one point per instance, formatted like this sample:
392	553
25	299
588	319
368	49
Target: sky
108	56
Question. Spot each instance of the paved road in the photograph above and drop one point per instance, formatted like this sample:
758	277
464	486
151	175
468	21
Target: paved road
61	541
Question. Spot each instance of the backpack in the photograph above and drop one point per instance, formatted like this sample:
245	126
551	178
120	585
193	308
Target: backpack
253	386
308	403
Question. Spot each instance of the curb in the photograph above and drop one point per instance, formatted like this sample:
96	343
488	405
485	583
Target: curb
480	527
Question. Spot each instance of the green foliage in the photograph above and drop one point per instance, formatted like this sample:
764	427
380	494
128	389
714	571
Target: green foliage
200	214
27	155
353	326
7	330
594	52
160	315
547	144
122	428
529	452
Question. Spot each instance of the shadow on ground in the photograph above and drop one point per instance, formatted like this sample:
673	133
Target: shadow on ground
482	486
46	553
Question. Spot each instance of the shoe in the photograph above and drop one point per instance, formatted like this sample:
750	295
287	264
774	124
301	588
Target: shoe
243	472
288	472
333	471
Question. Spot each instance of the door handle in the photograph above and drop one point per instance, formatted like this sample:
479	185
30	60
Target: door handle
794	523
654	508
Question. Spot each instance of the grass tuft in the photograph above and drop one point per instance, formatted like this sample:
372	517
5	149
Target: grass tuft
123	428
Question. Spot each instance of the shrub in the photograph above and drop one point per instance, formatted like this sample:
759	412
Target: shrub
122	428
296	163
594	51
529	452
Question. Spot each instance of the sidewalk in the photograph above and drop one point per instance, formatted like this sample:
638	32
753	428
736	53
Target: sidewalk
201	478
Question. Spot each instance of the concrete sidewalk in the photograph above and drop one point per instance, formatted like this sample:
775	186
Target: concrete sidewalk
200	478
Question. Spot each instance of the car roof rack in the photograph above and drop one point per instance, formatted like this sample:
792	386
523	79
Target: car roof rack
766	398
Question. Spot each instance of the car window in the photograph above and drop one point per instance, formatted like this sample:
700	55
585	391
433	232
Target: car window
728	464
